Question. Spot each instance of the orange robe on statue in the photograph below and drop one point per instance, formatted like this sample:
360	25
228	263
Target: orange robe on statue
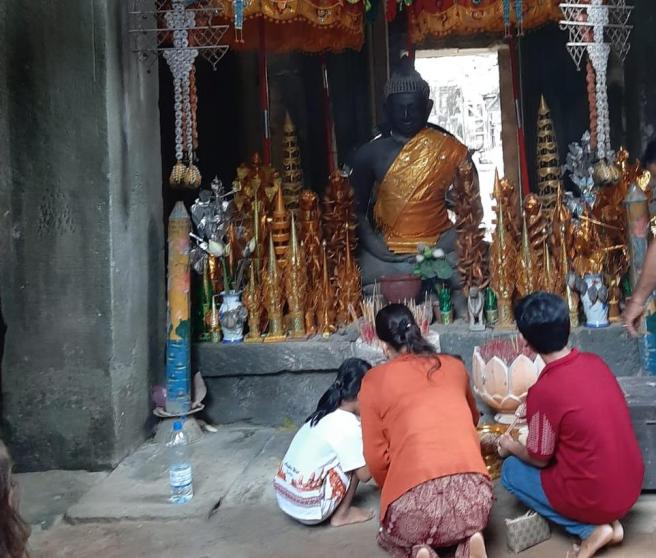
411	200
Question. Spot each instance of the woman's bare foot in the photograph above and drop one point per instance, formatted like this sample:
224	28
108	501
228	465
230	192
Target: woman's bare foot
618	533
350	515
426	552
477	546
600	537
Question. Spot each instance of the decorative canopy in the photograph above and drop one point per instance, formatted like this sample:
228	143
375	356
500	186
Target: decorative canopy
439	18
303	25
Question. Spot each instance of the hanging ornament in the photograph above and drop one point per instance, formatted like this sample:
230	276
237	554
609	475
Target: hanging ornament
506	18
181	61
595	27
519	17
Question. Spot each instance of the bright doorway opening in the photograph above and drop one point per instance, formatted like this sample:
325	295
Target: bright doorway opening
465	88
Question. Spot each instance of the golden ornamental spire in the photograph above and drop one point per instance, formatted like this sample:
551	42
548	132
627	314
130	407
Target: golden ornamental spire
503	262
273	297
548	164
295	285
253	303
349	286
326	303
291	162
527	280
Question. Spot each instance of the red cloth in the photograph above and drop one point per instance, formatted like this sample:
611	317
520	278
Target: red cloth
578	419
440	512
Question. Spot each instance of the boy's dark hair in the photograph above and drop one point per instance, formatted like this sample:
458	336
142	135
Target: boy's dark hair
543	320
345	388
649	156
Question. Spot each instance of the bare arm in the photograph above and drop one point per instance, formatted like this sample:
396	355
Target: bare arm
508	446
376	447
646	285
476	414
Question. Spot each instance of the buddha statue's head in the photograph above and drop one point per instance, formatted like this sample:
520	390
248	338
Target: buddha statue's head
407	101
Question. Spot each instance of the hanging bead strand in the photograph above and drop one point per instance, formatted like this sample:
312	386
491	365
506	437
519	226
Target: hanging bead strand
519	17
506	18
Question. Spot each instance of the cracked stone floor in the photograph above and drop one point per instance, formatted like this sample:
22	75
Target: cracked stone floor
126	514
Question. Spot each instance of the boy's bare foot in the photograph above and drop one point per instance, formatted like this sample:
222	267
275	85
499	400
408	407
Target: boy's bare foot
477	546
350	516
600	537
618	533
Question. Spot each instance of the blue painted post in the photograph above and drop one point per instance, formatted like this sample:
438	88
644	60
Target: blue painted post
178	345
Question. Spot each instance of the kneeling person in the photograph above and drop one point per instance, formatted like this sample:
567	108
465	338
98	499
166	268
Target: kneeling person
582	467
325	462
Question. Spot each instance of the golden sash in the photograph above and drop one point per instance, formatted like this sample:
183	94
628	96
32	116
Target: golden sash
411	200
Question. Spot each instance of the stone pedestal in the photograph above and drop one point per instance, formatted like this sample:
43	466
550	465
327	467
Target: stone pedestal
280	383
82	275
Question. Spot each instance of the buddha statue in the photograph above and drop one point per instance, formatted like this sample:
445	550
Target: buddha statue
402	180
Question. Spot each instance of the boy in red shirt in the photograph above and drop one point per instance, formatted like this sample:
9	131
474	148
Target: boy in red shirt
581	467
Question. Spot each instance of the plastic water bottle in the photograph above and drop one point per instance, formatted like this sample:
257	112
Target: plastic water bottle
180	479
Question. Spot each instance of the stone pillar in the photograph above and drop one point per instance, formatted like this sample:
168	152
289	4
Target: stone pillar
82	289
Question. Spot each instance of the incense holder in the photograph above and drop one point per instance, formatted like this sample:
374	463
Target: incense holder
502	386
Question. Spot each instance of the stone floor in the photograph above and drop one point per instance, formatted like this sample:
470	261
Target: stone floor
126	514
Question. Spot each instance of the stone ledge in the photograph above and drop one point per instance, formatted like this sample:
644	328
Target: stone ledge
613	344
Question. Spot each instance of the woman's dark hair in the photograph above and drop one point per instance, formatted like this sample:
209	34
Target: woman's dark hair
345	388
14	532
396	325
543	320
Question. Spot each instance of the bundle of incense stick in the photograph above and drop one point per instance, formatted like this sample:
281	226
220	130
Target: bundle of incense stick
370	307
505	348
422	313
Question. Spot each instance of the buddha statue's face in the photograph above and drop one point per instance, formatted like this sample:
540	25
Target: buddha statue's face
408	113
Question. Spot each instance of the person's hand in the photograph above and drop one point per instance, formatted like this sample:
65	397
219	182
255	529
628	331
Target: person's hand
631	316
504	444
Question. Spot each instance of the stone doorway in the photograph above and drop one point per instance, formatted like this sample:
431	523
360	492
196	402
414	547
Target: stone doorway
466	90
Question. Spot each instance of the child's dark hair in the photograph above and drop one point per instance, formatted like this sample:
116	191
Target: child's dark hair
345	388
14	532
543	320
396	325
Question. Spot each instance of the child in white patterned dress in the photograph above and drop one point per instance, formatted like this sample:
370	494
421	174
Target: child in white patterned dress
320	472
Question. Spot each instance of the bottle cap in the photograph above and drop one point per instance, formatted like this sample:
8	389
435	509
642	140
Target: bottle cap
177	426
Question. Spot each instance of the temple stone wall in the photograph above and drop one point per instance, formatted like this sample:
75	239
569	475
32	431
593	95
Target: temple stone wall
82	290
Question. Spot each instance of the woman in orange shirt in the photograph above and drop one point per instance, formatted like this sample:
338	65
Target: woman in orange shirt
420	442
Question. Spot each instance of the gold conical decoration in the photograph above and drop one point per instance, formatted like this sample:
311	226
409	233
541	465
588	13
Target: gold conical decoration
309	221
473	251
349	287
549	277
527	281
292	182
503	263
295	285
338	210
548	164
253	302
326	302
571	296
273	299
255	181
